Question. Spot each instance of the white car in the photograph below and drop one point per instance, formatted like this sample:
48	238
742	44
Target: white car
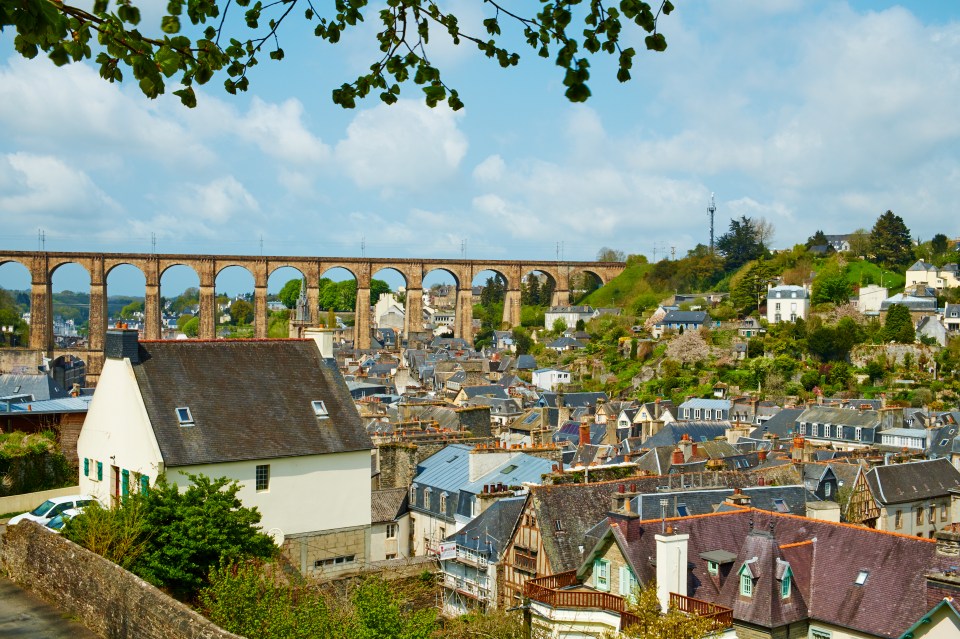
56	524
49	509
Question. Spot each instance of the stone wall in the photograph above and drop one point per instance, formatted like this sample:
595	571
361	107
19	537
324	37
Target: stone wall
106	598
475	419
19	358
35	471
894	353
329	554
398	464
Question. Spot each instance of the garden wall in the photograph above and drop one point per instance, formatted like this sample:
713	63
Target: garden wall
107	599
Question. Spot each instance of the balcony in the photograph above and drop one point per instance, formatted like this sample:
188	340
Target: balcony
564	591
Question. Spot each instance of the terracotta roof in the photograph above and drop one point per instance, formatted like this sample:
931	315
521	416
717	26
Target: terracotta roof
248	400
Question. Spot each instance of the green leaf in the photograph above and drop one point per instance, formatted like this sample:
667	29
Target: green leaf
170	24
656	42
168	61
187	97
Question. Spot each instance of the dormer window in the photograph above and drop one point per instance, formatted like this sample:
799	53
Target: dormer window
319	409
443	502
786	583
184	417
746	584
413	494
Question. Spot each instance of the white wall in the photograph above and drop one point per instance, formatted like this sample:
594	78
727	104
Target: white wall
380	546
117	426
307	494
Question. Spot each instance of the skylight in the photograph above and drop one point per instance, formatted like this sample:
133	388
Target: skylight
320	409
861	578
184	416
508	469
682	510
781	505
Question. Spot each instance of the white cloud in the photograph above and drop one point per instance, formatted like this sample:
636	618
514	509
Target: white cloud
278	130
404	146
44	186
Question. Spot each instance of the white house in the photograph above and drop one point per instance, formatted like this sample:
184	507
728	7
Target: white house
270	415
390	525
871	296
550	378
926	274
787	303
569	314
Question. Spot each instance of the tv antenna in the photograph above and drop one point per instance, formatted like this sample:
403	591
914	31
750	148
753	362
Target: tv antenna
711	209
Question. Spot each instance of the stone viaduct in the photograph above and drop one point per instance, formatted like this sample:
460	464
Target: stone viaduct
42	266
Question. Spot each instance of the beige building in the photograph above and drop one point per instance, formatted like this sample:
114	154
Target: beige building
914	498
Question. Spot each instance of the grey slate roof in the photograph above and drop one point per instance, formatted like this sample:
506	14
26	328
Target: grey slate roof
839	416
491	530
249	400
899	483
40	386
388	504
684	317
671	433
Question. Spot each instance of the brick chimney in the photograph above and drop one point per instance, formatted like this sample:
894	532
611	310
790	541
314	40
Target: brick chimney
677	457
584	431
738	498
762	455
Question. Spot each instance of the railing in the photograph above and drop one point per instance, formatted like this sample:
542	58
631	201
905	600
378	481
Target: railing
551	592
721	615
524	562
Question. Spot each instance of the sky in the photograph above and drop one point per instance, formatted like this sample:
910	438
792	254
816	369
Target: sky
810	114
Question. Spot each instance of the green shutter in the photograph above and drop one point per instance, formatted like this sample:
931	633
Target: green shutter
144	484
99	471
125	483
86	467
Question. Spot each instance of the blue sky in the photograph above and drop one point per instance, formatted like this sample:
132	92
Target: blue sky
813	115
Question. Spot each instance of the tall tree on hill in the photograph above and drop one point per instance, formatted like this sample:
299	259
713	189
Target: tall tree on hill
859	242
890	241
530	291
817	239
607	254
290	292
740	244
939	244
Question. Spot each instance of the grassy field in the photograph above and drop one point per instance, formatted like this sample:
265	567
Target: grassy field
862	273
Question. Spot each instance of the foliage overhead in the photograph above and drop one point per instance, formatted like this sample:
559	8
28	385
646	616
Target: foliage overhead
197	39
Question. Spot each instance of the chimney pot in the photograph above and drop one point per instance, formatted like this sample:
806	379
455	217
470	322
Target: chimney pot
621	488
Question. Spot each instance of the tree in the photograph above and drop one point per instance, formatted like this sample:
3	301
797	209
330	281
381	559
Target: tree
521	340
831	285
607	254
115	40
818	239
197	530
290	293
890	241
748	287
688	348
859	242
378	288
898	326
190	328
939	244
130	310
530	291
241	312
764	231
654	623
559	325
740	243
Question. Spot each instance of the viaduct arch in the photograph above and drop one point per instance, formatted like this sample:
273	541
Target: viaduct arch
42	264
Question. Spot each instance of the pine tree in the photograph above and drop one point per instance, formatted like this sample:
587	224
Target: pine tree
890	241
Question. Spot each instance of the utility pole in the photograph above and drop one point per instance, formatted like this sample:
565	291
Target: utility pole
261	244
153	242
41	240
363	246
673	253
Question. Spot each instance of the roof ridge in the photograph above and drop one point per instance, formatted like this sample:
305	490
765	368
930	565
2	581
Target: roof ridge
841	524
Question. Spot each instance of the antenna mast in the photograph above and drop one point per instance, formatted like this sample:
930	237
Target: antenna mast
711	209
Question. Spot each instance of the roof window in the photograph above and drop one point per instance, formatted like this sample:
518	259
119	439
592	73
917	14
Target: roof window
781	505
862	577
509	469
184	416
320	409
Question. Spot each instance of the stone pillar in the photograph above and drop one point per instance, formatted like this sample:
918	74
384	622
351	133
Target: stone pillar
208	310
151	307
260	311
313	302
511	308
560	298
41	311
97	325
463	325
413	312
361	319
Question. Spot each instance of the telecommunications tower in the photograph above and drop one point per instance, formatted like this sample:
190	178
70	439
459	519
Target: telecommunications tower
711	209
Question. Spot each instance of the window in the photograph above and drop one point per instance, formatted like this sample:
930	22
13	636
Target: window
919	515
391	531
839	430
803	429
413	494
696	413
898	520
263	477
391	555
819	634
861	577
781	505
319	409
708	414
559	525
184	417
713	567
858	433
932	517
785	583
628	582
746	584
943	512
601	574
443	502
334	561
827	490
682	510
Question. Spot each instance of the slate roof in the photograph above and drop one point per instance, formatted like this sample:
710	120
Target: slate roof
671	433
388	504
706	500
566	342
572	400
683	317
491	529
49	406
911	302
40	386
702	402
249	400
819	553
487	390
526	362
839	416
899	483
787	291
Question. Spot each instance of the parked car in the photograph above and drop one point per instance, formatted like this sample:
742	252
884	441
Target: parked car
56	524
49	509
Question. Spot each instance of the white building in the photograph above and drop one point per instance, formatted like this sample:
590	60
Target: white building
270	415
871	296
388	312
926	274
569	314
550	379
787	303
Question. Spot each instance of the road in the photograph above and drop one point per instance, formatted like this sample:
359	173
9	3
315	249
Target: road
23	614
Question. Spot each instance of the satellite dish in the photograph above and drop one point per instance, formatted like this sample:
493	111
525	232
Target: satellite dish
277	535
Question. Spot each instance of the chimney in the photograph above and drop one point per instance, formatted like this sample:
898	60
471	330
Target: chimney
584	431
656	408
762	455
122	343
677	457
738	498
686	446
948	543
671	567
